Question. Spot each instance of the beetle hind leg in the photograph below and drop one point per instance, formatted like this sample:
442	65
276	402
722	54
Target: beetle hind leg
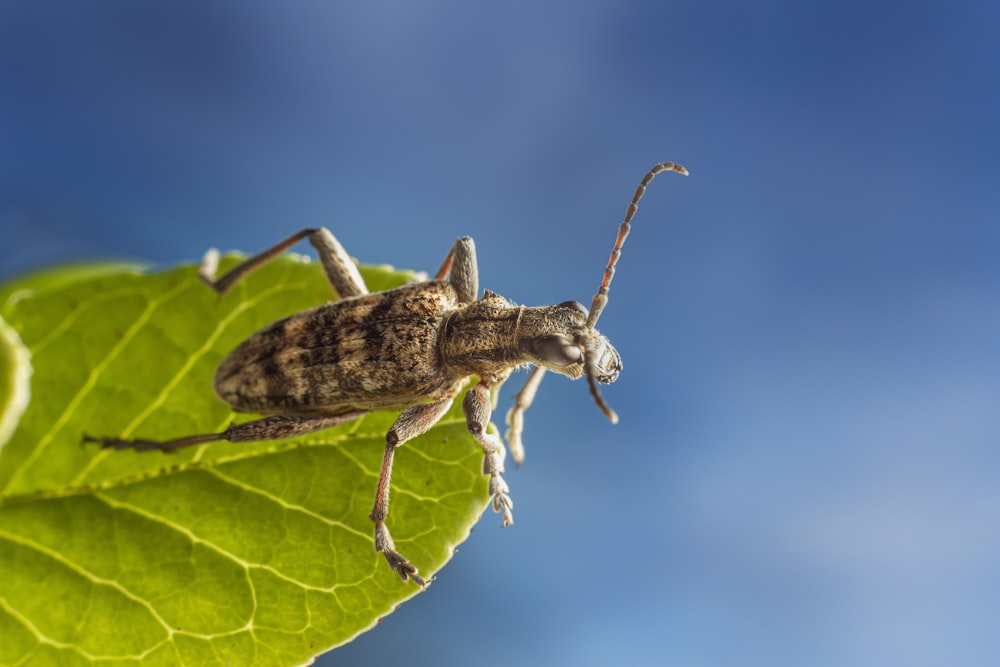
277	427
341	272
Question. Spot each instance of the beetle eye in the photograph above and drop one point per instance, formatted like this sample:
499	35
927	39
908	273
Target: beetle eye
575	305
557	350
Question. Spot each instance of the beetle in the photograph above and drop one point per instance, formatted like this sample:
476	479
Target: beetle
411	349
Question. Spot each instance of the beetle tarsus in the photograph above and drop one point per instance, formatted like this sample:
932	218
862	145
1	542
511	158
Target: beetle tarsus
401	566
397	561
500	499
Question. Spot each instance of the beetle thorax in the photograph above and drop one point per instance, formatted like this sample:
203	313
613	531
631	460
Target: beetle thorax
481	339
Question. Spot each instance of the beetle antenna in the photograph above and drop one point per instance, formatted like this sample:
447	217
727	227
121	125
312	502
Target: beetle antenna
601	298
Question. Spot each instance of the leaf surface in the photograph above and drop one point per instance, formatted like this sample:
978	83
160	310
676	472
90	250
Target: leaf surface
248	554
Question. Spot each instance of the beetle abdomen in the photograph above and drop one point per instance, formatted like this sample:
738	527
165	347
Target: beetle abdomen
370	352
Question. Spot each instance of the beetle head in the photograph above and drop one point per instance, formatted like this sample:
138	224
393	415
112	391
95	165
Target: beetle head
575	349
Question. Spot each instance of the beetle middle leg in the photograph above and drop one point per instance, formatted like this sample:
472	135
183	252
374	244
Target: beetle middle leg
477	408
462	269
515	416
344	277
412	422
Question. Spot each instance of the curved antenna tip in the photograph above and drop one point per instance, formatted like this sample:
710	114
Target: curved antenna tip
601	298
670	166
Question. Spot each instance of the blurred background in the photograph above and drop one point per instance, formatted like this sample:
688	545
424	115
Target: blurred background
807	468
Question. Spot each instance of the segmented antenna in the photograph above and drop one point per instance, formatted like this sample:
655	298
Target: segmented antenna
601	298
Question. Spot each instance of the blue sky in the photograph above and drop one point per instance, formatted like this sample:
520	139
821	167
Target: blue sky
807	467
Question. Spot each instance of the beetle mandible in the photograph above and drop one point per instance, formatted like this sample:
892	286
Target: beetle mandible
414	349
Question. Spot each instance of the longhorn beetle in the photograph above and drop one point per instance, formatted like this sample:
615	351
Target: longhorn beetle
413	348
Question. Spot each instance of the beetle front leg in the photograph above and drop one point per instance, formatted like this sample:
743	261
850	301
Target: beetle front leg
412	422
515	416
344	277
477	408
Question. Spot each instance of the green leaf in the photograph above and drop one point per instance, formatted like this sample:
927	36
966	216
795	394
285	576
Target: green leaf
36	283
228	554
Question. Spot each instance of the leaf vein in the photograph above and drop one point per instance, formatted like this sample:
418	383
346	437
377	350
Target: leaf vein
225	553
220	327
280	502
42	638
86	574
82	307
95	373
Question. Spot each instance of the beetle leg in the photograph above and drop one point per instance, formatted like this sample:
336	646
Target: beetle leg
277	427
413	421
462	269
515	416
477	408
340	269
